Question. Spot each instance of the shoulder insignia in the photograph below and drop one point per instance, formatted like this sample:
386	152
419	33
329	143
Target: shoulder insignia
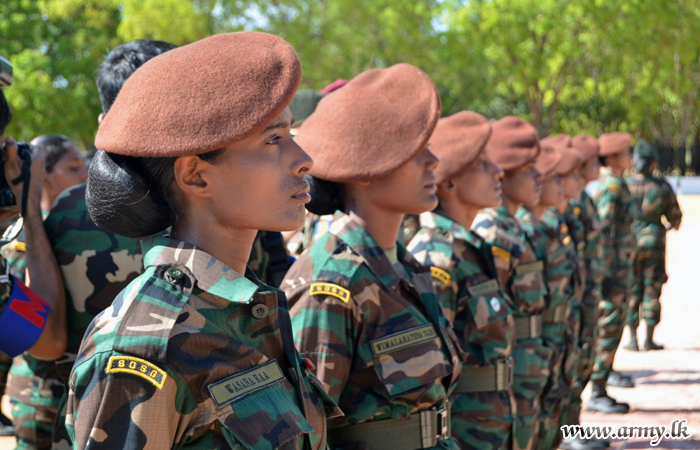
440	274
20	246
502	253
577	210
330	289
615	188
139	367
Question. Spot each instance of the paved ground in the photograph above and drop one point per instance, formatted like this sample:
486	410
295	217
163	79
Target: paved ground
668	382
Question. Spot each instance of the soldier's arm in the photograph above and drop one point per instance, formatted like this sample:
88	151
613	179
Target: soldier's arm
123	402
324	329
608	208
673	210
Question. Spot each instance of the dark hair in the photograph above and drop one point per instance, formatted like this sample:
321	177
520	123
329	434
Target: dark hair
133	196
327	197
5	114
54	147
121	63
643	164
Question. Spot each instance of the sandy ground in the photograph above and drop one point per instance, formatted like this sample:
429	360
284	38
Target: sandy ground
667	382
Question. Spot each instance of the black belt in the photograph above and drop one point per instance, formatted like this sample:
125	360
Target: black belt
498	377
555	315
423	429
528	327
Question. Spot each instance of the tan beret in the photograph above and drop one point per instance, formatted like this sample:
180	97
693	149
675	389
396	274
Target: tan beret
457	141
613	143
547	160
202	96
568	162
558	141
586	146
513	143
375	123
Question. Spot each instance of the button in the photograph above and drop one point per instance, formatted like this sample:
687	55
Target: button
495	304
174	273
259	311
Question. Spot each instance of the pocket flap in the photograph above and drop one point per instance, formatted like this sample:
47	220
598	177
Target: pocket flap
332	409
260	413
485	303
409	359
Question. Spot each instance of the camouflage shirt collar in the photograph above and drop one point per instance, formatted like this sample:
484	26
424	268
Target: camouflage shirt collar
502	214
211	275
605	173
436	220
348	230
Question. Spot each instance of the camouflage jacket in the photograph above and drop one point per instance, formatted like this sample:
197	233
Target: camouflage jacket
653	198
379	342
585	227
519	270
547	236
193	355
464	277
616	212
96	265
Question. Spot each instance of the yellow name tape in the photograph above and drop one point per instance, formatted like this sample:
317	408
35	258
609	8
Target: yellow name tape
502	253
139	367
330	289
440	274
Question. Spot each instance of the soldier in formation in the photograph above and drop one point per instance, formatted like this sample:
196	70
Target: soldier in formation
482	333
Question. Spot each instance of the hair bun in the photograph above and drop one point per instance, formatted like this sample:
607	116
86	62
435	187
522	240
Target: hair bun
327	197
120	200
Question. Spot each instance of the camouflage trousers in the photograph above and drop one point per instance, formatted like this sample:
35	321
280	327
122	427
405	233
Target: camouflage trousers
578	363
613	309
483	420
531	372
556	390
35	390
649	277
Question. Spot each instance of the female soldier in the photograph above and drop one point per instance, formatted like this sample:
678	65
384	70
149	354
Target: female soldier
514	146
362	308
465	279
193	354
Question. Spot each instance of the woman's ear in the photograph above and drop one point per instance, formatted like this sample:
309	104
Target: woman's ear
448	186
191	174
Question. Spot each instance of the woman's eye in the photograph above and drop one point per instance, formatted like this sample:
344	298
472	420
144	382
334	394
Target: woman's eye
274	141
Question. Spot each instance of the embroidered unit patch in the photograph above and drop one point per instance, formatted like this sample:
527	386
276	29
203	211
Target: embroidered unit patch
139	367
440	274
502	253
330	289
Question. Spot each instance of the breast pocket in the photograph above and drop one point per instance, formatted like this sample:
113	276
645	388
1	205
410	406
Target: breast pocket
485	304
257	410
409	359
528	283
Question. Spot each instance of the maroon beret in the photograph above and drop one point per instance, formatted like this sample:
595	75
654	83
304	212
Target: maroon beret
548	159
457	141
568	162
202	96
613	143
558	141
513	143
586	146
378	121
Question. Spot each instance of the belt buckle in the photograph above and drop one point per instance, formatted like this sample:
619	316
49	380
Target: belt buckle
535	326
443	422
510	362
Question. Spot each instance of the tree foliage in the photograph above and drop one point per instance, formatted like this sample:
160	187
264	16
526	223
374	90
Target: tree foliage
573	67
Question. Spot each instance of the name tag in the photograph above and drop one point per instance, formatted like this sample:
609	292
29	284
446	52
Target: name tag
239	385
483	288
403	339
558	253
536	266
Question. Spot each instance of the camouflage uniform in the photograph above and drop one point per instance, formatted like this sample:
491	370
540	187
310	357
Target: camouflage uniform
616	212
654	198
193	355
522	276
464	277
550	239
582	219
375	332
35	387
